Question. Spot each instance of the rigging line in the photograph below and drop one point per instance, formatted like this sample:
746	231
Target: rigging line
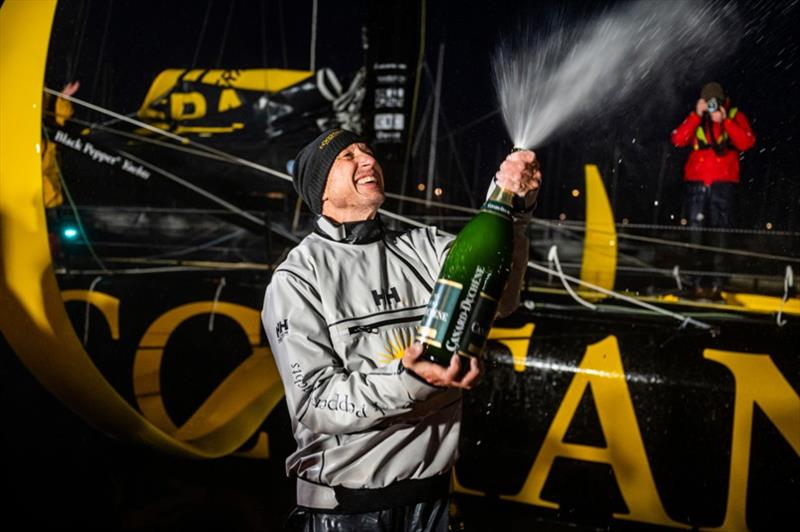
313	52
143	271
437	98
197	263
287	177
282	33
282	175
76	55
678	243
468	125
146	208
123	118
217	293
148	140
740	252
432	203
203	192
102	48
74	208
617	295
231	7
453	149
415	98
531	264
109	122
470	210
560	226
263	33
788	287
421	127
202	34
635	260
199	247
87	314
552	257
578	223
183	140
682	272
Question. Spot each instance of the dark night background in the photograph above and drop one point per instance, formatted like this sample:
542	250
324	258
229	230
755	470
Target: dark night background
116	49
66	475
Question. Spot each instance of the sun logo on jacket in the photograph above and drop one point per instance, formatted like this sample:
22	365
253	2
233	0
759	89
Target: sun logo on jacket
396	344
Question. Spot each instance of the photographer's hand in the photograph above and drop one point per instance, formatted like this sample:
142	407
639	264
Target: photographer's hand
701	107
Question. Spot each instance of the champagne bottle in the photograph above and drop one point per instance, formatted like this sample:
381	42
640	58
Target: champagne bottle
464	301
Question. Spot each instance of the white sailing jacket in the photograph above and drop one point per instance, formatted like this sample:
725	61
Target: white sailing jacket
338	315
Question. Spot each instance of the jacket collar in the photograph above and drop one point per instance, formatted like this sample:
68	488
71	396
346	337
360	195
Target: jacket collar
364	232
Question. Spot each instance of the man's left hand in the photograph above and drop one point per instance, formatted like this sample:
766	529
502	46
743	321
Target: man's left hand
451	376
519	173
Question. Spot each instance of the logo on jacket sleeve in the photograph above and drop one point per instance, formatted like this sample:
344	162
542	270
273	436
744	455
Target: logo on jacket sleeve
281	329
385	296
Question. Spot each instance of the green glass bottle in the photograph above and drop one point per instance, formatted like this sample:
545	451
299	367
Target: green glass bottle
464	301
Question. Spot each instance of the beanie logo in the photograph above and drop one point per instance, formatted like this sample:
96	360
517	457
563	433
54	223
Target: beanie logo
332	135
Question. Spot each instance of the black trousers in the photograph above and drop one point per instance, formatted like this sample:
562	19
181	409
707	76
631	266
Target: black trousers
429	516
712	207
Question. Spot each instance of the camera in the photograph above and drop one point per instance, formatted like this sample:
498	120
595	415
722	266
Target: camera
713	105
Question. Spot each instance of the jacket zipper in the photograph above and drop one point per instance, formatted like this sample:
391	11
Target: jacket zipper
374	327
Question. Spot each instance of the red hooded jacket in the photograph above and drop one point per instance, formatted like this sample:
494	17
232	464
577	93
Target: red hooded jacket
704	163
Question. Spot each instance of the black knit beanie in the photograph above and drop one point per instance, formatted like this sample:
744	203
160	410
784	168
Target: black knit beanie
314	161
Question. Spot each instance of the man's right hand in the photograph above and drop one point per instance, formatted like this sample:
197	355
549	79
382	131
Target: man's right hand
701	107
436	375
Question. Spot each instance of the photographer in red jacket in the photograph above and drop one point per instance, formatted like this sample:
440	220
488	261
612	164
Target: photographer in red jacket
717	133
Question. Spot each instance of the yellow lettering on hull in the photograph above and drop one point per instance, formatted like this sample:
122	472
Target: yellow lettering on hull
758	381
601	368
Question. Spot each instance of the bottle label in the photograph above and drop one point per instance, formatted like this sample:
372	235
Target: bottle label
480	322
440	309
474	316
496	207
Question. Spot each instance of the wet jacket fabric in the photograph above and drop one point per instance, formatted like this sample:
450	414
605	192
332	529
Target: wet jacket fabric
716	147
338	313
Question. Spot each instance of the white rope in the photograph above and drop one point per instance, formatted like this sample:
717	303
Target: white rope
552	256
195	188
685	320
118	116
676	273
788	283
214	304
87	314
623	297
142	271
282	175
182	140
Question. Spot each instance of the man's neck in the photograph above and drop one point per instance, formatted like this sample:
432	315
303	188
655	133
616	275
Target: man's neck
360	232
349	215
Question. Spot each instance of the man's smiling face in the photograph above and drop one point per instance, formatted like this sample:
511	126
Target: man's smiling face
354	189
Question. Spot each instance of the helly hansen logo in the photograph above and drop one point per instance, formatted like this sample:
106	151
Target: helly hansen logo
385	296
281	329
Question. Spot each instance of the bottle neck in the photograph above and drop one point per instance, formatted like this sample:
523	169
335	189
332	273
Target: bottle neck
501	195
500	201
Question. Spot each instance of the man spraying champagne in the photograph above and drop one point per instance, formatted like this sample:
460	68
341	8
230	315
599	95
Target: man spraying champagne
341	314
